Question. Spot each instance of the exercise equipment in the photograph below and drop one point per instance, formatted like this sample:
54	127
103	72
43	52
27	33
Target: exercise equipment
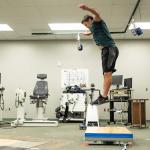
72	104
92	117
19	103
39	97
108	135
120	135
1	99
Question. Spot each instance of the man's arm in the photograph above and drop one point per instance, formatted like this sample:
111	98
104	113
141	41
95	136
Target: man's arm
92	10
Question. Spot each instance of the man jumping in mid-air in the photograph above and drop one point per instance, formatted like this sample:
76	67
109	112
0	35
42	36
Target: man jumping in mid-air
109	53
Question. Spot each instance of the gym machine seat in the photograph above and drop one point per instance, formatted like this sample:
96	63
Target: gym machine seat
40	91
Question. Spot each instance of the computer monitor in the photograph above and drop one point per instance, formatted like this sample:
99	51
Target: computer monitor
117	80
128	83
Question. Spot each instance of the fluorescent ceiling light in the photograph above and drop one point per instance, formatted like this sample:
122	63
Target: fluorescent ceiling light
67	27
142	25
5	27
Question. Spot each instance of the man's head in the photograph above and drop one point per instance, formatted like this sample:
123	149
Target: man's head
87	21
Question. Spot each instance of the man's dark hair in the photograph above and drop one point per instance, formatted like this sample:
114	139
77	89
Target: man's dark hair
86	18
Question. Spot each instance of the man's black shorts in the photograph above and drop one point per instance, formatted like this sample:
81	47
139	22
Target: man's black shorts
109	56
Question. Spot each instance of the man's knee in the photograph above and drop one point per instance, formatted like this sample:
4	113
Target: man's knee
107	74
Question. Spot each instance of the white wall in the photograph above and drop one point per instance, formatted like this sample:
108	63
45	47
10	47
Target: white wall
20	61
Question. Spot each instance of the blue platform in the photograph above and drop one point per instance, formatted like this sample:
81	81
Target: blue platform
108	134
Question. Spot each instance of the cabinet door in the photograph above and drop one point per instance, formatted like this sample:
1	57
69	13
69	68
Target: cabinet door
135	113
138	113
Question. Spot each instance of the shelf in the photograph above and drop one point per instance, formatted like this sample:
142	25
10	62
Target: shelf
120	96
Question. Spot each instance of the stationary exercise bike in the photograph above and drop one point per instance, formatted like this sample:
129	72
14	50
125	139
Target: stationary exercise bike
91	118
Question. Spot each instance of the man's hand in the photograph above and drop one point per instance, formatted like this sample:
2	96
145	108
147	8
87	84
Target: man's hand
83	6
92	10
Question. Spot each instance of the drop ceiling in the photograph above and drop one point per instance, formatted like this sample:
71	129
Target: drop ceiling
28	16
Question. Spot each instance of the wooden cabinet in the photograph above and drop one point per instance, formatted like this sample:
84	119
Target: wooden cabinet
138	107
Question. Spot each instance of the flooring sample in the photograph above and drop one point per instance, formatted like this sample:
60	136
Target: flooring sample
18	143
10	148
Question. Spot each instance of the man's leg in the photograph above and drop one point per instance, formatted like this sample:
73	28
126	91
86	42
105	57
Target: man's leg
110	65
106	86
109	57
107	83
